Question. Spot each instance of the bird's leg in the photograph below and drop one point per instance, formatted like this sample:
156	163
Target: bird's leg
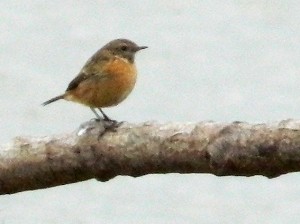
113	124
104	115
97	115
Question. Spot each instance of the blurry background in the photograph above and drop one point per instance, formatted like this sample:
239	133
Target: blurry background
207	60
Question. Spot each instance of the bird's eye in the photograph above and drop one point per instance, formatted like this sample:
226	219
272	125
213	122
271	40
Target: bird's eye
124	48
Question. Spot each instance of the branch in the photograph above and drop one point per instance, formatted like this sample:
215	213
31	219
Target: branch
238	149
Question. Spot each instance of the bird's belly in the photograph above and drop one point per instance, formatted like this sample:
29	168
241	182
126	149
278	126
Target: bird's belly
113	92
108	90
105	92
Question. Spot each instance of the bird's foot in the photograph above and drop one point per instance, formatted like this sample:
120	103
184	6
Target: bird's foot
109	126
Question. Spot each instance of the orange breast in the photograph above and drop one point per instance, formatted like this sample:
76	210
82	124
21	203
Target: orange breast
107	90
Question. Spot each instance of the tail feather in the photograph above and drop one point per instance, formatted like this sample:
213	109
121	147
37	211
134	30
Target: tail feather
53	99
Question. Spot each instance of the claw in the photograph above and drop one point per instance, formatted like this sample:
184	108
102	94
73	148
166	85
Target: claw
110	126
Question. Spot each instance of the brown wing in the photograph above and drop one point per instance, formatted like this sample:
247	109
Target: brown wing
90	70
82	77
78	79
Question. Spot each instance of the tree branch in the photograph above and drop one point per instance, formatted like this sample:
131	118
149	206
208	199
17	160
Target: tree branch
238	149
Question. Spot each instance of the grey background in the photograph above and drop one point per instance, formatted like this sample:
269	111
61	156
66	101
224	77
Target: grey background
207	60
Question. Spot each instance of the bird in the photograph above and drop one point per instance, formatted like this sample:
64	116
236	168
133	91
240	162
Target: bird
106	79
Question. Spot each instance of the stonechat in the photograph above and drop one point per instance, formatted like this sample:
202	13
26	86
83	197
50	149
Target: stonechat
106	79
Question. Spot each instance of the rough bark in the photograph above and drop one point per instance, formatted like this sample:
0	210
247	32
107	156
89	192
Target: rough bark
238	149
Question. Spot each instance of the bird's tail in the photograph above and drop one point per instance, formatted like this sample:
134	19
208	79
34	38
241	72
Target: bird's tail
53	99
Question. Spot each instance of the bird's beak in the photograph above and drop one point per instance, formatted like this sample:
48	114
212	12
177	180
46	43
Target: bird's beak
141	48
